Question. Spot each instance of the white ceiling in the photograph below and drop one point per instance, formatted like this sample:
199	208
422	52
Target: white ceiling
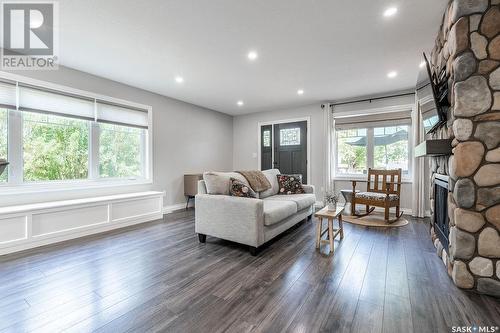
331	49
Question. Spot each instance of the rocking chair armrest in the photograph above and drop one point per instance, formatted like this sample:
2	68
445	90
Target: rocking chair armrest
353	182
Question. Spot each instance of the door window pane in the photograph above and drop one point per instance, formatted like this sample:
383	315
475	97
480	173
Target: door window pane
391	148
266	138
55	148
290	136
351	152
3	141
121	151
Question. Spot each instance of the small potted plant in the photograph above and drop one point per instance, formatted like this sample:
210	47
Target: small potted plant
331	200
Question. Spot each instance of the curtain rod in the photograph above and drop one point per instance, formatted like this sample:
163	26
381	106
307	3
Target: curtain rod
372	99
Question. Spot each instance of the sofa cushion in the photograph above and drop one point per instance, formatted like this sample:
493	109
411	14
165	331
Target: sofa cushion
219	182
272	176
276	211
376	196
302	201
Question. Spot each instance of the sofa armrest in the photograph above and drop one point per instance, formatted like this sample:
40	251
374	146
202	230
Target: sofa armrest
202	188
236	219
308	188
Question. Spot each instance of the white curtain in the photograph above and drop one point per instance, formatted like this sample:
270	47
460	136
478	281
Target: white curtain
329	134
418	187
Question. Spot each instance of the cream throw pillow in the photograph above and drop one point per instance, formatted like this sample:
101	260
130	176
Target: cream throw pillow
220	182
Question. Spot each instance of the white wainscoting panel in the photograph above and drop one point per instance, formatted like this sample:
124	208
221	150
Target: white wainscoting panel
29	226
13	229
51	222
134	208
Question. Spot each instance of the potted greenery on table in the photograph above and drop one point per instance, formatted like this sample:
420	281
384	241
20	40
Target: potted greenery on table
331	199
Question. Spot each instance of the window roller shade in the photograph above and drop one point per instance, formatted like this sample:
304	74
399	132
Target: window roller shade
121	115
32	99
37	99
382	119
8	95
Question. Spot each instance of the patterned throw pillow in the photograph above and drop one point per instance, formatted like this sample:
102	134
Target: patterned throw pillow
290	184
240	189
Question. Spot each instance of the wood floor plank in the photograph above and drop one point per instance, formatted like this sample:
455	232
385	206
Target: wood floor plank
346	299
397	314
157	277
373	290
368	317
396	281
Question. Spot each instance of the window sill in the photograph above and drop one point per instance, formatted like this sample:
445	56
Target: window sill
364	177
34	188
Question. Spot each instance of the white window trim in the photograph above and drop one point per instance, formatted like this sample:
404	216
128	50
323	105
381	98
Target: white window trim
16	184
370	153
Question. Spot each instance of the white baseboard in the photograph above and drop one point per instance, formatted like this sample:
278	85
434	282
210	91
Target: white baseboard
178	206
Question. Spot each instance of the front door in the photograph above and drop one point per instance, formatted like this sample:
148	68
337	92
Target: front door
290	148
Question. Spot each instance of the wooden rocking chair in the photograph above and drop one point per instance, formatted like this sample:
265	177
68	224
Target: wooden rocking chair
383	190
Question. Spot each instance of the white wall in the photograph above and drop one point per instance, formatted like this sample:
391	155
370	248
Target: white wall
187	138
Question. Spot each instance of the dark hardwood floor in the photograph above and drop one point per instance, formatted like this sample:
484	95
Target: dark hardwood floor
157	277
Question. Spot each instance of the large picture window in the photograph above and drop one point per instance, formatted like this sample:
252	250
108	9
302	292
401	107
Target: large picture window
351	151
54	148
380	147
391	148
66	137
120	151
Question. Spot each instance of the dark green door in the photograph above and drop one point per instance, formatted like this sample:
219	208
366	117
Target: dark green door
290	148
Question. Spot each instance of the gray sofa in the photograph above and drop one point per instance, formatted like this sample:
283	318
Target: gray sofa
248	221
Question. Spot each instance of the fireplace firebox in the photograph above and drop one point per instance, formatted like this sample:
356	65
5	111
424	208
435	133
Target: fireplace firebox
441	221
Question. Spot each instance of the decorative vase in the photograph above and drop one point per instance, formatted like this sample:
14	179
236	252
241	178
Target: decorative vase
332	207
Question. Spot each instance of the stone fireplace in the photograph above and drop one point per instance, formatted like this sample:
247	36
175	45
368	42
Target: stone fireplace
468	47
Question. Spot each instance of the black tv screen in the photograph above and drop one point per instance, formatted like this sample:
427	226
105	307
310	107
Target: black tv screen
433	114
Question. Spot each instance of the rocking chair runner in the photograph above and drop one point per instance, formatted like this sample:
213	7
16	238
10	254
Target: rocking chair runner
383	190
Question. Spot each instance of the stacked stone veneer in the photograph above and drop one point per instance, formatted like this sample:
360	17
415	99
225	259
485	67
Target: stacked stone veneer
468	45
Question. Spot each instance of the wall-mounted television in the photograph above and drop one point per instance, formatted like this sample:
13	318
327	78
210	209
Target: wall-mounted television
432	93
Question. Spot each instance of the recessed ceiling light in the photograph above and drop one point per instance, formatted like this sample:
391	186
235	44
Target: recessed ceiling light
240	103
252	55
300	92
391	11
392	74
179	79
422	64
